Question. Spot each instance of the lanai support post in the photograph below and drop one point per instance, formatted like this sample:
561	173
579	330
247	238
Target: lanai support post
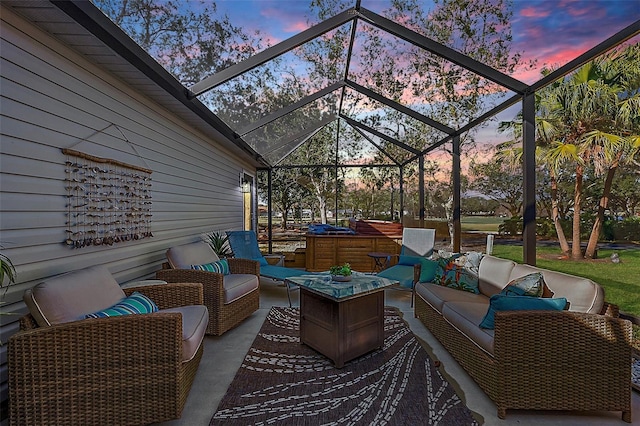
269	211
529	179
401	216
421	188
457	228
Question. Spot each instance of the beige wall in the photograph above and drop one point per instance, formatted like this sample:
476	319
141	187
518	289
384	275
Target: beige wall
53	98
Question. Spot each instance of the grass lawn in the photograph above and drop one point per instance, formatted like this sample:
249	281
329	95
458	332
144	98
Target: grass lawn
621	281
481	223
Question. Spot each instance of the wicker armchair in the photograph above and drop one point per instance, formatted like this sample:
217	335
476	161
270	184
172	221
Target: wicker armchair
130	369
230	298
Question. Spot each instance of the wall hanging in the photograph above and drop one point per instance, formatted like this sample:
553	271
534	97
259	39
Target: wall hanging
108	201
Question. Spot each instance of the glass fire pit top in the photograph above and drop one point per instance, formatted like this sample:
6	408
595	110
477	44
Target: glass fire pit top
324	285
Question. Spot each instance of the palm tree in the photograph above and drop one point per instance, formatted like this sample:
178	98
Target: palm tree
595	114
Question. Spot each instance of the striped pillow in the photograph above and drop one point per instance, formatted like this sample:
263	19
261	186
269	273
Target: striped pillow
137	303
220	266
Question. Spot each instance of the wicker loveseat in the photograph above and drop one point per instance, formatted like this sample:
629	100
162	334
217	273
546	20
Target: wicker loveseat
230	298
575	359
128	369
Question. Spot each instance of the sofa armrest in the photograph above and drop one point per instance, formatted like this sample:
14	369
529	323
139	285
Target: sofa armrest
243	266
118	360
569	355
171	295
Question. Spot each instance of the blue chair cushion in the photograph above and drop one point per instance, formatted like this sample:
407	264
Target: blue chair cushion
280	273
401	273
409	260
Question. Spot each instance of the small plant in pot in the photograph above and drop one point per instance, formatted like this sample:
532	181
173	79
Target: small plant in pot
219	242
340	273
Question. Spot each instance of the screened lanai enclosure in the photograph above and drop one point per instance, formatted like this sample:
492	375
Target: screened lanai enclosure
385	96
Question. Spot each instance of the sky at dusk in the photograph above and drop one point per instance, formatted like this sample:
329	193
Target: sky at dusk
551	31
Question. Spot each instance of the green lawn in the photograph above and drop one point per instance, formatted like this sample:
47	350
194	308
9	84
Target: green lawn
480	223
621	281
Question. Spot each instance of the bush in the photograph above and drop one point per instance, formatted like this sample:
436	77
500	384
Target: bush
627	229
511	226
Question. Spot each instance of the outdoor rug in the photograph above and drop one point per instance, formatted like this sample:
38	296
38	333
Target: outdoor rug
284	382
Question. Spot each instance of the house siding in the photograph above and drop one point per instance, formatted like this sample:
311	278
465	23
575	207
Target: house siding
53	98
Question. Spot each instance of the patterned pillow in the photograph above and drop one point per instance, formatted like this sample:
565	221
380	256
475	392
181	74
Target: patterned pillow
459	272
529	285
220	266
137	303
501	302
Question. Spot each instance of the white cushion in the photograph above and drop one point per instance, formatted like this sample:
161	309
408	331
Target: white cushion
195	319
437	295
237	285
583	294
494	274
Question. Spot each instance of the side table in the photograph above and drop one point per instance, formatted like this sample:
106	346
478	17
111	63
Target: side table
381	260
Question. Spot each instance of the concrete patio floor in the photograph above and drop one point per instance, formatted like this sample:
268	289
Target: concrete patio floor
223	356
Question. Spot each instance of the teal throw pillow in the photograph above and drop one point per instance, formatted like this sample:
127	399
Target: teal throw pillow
529	285
220	266
137	303
501	302
428	270
452	273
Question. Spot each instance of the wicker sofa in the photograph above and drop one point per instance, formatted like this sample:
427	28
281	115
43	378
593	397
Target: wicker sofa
129	369
575	359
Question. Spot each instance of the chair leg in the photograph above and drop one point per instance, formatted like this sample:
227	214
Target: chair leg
288	293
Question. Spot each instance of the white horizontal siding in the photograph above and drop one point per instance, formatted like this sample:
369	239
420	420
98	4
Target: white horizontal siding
53	98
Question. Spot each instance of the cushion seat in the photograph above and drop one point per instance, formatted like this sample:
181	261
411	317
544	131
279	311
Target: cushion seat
237	285
437	295
194	325
465	316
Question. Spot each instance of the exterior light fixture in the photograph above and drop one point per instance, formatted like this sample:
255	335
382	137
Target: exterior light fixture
245	186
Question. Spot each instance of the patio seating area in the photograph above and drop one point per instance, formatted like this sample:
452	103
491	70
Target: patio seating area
114	167
224	354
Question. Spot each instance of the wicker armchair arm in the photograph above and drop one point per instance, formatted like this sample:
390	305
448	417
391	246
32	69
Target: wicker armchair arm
244	266
212	282
104	364
171	295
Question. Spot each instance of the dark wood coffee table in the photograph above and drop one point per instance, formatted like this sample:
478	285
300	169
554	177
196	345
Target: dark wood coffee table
342	320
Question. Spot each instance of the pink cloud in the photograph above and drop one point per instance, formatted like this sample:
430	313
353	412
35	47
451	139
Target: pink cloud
296	27
532	12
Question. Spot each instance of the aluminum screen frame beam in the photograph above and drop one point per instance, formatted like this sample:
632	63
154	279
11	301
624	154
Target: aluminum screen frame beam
443	51
381	135
290	108
266	55
378	147
399	107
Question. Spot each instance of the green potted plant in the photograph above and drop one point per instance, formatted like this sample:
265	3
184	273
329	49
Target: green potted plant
340	273
218	240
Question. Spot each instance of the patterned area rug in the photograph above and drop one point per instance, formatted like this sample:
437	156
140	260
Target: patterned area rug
284	382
